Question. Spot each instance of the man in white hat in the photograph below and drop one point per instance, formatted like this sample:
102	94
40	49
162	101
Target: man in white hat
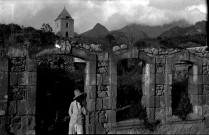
77	112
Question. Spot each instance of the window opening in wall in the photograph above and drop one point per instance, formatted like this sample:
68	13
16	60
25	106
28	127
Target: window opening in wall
129	89
66	25
66	35
181	105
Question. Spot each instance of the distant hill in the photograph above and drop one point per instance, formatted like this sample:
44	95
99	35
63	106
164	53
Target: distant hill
197	28
154	31
129	33
98	31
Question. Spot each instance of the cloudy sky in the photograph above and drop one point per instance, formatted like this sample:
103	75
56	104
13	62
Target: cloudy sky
113	14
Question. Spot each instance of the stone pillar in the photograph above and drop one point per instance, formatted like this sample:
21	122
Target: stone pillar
168	87
3	94
105	87
160	85
195	92
90	89
205	87
22	92
149	90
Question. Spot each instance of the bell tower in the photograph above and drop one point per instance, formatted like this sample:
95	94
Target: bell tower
64	24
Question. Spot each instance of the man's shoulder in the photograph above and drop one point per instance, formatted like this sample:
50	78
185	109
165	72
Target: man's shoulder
73	102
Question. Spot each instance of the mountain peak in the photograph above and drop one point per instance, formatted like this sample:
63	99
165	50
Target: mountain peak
100	27
97	31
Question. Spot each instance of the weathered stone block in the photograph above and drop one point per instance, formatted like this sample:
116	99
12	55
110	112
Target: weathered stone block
12	108
3	65
31	66
145	57
197	112
160	59
31	123
90	129
100	129
91	104
31	93
3	106
32	78
103	56
99	104
162	101
168	89
3	130
99	79
90	79
91	117
90	67
102	94
17	52
22	107
195	99
168	111
206	110
168	101
152	68
207	99
160	114
113	102
112	92
111	116
154	101
150	113
194	89
102	117
197	60
16	78
113	79
205	79
91	91
206	89
195	79
106	103
3	83
113	67
160	79
169	79
105	79
135	53
103	70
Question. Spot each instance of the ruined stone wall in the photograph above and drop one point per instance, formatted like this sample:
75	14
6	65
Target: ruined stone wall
18	85
18	92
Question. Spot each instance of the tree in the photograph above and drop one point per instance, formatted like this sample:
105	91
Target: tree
46	28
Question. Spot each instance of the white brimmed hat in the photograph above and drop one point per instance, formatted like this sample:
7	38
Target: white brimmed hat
77	93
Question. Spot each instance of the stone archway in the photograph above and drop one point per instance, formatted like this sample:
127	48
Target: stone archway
89	71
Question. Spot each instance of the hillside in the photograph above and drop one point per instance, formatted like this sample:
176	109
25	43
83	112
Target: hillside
154	31
197	28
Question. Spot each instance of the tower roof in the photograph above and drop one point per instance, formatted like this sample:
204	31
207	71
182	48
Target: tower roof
64	15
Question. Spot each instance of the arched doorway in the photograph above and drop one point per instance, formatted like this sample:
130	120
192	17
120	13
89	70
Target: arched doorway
57	77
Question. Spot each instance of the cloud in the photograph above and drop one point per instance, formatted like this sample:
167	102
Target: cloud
19	11
114	14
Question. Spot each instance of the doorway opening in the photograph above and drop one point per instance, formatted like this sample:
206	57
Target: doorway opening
181	105
57	78
129	89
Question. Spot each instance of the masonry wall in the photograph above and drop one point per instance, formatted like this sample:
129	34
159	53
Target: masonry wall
18	86
18	93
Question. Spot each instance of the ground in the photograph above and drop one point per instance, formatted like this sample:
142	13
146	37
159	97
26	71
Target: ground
191	128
